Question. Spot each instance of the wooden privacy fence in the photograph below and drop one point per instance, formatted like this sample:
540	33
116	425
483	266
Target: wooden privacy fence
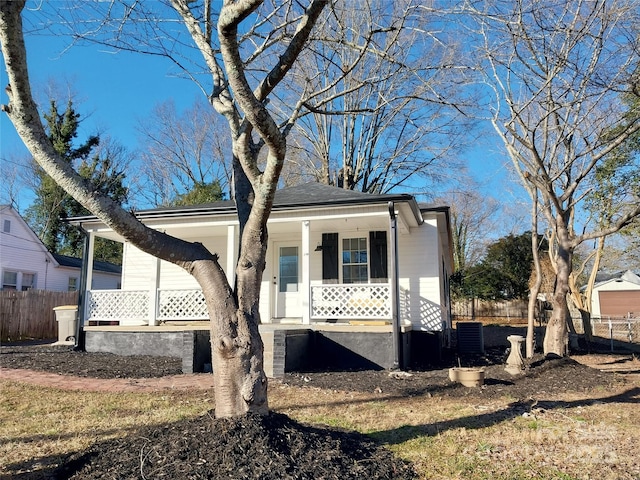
30	315
477	308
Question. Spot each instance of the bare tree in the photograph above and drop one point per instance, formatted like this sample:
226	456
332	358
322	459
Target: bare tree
557	72
397	115
472	216
240	382
182	150
10	168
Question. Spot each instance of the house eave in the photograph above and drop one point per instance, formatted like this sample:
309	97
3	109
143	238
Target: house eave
230	209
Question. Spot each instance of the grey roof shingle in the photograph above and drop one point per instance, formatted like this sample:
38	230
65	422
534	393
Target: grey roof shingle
73	262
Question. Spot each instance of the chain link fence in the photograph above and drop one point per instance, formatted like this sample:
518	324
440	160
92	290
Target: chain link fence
620	332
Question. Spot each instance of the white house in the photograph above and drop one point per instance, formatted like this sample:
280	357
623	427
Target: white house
25	262
617	297
337	260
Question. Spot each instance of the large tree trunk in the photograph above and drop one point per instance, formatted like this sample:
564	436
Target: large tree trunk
535	287
556	335
236	346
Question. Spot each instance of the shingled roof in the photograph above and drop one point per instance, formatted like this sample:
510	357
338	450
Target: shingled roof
307	195
73	262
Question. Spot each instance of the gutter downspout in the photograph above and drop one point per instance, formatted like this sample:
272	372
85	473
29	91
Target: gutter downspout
82	293
395	292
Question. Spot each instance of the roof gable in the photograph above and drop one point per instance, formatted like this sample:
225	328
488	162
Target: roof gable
627	276
24	226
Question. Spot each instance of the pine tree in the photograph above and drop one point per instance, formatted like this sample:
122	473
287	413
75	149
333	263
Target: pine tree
52	205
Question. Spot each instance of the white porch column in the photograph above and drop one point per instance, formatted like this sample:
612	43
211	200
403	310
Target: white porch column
231	254
306	276
154	284
90	254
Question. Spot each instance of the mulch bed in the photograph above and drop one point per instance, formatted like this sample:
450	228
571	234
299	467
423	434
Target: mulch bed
63	360
250	447
277	447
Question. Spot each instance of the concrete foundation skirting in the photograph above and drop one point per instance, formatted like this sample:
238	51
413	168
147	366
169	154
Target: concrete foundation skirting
285	350
160	344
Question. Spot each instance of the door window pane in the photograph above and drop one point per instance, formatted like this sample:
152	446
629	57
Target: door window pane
288	269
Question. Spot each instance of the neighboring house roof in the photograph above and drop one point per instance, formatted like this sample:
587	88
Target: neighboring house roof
308	195
627	276
73	262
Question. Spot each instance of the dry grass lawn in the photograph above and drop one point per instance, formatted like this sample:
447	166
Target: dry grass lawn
593	436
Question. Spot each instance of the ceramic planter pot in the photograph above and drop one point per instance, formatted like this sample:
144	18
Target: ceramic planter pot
467	376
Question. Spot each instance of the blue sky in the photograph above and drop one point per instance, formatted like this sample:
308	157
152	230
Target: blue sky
113	90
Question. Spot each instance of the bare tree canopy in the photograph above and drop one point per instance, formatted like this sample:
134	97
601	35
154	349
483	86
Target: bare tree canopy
229	42
382	113
182	151
558	73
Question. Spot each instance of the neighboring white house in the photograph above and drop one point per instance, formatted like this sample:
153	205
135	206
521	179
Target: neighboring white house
25	263
617	297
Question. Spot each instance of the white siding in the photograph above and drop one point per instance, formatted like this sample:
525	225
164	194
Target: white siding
105	281
138	269
174	277
22	251
101	280
59	278
419	272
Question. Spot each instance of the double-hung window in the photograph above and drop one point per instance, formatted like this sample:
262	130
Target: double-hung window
354	260
10	280
28	281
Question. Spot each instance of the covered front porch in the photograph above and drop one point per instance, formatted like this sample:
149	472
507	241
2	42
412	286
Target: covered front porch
322	266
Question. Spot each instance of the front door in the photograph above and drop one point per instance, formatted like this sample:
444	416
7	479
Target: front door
287	281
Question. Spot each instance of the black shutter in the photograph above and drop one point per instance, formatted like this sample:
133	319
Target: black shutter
378	253
330	257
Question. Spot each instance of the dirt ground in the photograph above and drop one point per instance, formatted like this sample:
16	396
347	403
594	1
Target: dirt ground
277	447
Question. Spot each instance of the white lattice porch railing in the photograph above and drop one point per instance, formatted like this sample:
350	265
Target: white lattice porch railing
181	305
351	301
110	305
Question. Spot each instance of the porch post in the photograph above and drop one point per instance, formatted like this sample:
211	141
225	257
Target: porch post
395	302
306	283
90	253
231	254
153	291
82	292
